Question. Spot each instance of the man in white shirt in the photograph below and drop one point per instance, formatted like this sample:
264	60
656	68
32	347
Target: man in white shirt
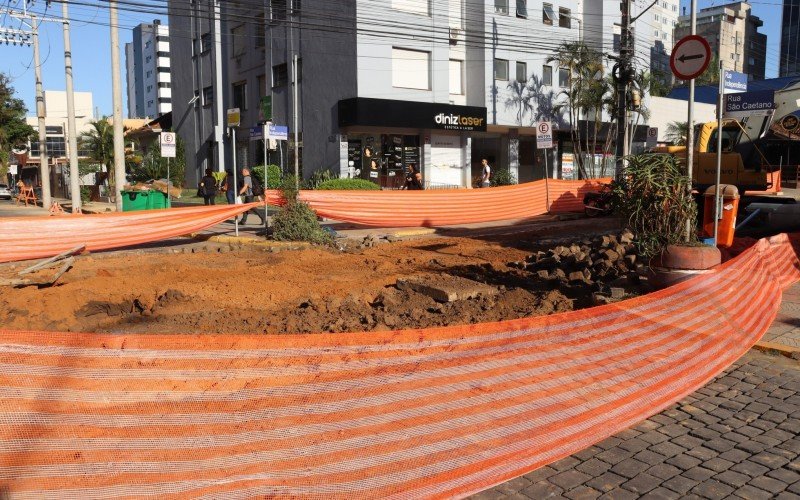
487	173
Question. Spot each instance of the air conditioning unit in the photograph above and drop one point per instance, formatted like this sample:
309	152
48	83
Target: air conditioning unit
455	35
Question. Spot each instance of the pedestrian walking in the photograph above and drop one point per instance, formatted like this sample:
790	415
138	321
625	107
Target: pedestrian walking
487	173
208	187
413	178
248	190
230	189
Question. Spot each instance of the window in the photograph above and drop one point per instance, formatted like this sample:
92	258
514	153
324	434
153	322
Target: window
280	75
147	44
239	95
205	42
150	103
522	72
547	14
237	41
164	85
411	69
164	100
563	78
421	7
148	59
149	88
500	69
564	18
522	9
261	81
752	61
149	74
501	7
208	96
261	31
456	77
655	33
162	69
547	75
296	6
162	54
278	10
53	129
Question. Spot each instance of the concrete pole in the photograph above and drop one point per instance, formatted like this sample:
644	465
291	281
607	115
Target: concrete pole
219	102
690	121
44	167
116	89
623	79
74	175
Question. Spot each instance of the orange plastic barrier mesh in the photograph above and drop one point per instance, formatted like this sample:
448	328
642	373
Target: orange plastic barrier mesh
37	237
407	414
449	207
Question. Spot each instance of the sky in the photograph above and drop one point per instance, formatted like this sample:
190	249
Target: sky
92	55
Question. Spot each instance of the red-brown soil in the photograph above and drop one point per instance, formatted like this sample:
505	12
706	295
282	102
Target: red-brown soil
215	289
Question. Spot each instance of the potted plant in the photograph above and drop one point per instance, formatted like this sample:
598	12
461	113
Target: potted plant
654	199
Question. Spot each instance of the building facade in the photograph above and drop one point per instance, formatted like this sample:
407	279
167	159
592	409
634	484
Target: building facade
366	88
663	19
147	62
790	39
732	32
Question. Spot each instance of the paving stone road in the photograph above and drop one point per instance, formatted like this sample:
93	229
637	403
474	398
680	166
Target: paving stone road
739	436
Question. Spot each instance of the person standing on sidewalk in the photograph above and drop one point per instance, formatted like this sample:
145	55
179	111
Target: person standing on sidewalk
487	173
208	185
247	191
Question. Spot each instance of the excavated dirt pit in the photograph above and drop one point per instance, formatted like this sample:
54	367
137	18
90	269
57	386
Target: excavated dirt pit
318	290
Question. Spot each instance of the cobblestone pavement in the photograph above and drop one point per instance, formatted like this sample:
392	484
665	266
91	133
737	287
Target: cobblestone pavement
785	331
739	436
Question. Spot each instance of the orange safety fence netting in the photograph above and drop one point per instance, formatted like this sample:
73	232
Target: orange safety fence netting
406	414
37	237
450	207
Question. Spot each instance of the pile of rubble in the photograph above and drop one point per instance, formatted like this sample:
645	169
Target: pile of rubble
599	269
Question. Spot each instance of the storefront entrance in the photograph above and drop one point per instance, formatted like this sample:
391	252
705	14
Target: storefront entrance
382	158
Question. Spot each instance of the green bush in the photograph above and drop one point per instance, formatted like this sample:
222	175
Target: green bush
318	177
297	222
349	184
274	176
503	177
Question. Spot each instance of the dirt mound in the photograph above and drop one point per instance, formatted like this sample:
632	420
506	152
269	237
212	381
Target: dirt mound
312	290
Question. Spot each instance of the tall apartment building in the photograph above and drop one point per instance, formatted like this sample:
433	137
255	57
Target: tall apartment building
663	20
732	32
379	85
147	62
790	39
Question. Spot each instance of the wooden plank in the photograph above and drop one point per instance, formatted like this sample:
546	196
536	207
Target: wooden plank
48	262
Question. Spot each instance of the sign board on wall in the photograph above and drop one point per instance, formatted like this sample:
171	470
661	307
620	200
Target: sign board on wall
567	166
363	111
168	147
544	135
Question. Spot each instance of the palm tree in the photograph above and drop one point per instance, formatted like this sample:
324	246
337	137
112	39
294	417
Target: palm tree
99	142
677	132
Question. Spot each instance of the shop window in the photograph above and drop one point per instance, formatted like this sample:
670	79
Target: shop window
208	96
564	18
411	69
501	7
547	75
522	72
422	7
563	78
522	9
456	77
296	7
261	31
500	69
280	75
278	10
239	95
547	14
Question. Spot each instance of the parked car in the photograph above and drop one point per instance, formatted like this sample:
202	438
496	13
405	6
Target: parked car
5	192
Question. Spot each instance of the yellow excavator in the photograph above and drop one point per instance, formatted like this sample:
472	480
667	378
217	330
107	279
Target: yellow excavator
754	148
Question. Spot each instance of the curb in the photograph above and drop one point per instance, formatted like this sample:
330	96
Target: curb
781	349
250	241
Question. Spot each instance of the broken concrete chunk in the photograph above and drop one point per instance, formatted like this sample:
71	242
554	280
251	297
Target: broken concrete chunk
446	288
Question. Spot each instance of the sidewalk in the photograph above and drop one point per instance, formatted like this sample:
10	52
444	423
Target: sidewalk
784	334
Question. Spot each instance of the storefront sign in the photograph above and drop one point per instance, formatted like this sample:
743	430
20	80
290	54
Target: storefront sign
544	135
361	111
567	166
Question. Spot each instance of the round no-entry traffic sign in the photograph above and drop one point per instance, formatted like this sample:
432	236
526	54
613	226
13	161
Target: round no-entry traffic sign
690	57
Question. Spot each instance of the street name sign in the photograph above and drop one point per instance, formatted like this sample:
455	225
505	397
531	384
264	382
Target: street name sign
756	103
167	143
690	57
278	132
652	137
734	82
256	133
544	135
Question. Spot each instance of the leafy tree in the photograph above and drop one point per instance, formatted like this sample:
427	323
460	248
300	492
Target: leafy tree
99	142
14	132
154	166
677	132
711	76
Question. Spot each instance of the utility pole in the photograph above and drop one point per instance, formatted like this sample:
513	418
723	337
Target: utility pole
690	120
296	125
116	89
624	77
74	179
40	112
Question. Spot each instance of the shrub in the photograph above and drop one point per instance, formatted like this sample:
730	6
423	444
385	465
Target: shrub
297	222
318	177
274	176
349	184
503	177
654	199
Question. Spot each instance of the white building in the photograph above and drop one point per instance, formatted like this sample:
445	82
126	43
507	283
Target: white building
147	62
